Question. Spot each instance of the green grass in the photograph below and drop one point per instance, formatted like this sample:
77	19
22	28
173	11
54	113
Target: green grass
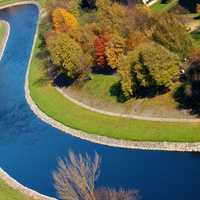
56	106
161	7
100	86
7	193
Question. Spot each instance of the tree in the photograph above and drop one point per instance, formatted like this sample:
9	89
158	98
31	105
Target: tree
135	39
198	8
148	65
75	180
172	34
114	50
63	20
111	16
124	70
100	44
66	53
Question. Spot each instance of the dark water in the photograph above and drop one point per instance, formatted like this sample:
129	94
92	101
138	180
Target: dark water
29	148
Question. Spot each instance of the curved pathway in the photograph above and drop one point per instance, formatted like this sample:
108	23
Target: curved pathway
66	94
29	148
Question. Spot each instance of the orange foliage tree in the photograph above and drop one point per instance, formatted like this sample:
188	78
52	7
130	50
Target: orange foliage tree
198	8
63	20
100	44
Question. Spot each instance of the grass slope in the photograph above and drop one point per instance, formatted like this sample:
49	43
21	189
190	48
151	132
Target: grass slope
7	193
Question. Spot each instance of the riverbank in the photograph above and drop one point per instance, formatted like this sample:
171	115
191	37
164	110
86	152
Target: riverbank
18	191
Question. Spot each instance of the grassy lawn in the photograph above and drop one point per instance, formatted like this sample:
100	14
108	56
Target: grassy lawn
7	193
161	7
56	106
100	86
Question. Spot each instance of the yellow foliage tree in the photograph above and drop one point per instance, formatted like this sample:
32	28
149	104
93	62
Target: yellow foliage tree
114	50
63	20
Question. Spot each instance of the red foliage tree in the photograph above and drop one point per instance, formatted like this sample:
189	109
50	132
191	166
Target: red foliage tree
100	44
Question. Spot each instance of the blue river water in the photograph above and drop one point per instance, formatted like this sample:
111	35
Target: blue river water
29	148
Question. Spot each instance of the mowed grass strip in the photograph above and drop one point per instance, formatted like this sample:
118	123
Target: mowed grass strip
7	193
58	107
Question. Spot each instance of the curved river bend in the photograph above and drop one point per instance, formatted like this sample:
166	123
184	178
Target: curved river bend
29	148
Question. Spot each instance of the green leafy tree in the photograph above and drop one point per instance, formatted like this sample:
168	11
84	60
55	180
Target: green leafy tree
114	50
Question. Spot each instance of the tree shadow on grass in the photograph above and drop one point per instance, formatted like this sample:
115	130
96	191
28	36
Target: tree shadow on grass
103	70
142	92
62	80
185	101
150	92
116	91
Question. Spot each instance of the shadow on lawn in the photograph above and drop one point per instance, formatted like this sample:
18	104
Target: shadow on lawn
142	92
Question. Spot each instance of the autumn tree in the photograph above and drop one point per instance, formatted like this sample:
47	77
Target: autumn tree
111	16
148	65
114	50
63	20
135	39
172	34
198	8
67	54
128	86
100	44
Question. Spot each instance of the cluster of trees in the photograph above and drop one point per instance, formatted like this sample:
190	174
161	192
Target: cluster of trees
143	47
75	180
